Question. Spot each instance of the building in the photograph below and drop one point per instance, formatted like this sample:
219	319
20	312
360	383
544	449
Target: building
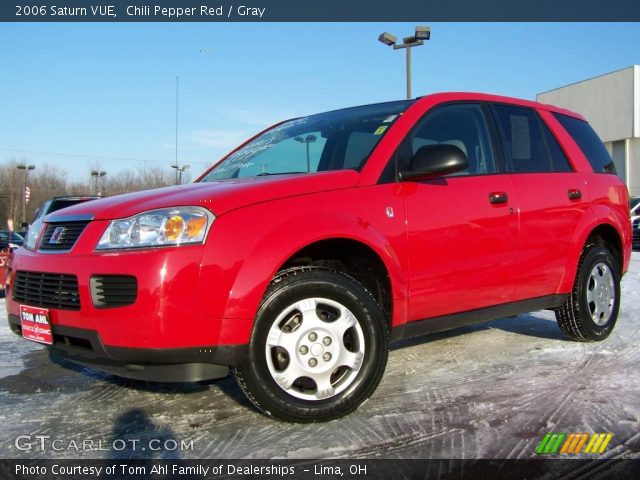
611	104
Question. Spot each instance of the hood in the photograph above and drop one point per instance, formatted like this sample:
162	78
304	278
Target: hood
219	197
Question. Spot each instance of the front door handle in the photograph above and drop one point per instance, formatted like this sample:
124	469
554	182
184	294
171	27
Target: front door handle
574	194
498	197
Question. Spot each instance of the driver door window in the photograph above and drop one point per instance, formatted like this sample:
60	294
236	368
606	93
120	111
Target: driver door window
461	125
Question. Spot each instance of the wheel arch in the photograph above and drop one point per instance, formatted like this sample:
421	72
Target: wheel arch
338	243
354	258
603	232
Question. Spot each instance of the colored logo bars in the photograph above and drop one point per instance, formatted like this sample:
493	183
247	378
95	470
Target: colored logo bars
573	443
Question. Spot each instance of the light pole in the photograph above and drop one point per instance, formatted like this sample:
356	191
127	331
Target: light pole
27	169
421	34
97	181
307	140
179	171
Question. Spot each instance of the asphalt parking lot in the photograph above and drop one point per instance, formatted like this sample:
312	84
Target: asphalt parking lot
488	391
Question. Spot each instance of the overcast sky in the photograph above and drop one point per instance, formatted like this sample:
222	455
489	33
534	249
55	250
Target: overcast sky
86	95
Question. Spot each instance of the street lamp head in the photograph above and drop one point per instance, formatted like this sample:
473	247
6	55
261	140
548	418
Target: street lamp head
102	173
387	38
423	33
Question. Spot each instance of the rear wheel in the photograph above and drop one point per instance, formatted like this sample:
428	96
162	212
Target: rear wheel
591	311
318	349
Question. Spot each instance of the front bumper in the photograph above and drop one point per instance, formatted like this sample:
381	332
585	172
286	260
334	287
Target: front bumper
160	365
169	311
173	330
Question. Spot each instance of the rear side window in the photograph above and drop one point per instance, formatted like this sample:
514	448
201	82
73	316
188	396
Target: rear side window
589	142
529	145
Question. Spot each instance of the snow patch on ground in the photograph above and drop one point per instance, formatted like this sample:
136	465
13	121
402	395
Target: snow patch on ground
488	391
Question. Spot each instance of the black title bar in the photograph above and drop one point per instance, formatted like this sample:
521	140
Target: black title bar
319	469
317	11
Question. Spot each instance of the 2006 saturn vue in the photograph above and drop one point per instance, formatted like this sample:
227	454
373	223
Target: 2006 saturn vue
302	254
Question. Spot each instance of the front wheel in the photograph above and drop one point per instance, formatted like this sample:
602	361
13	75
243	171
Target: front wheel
318	349
591	311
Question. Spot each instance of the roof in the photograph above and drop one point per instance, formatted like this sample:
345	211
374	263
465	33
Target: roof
486	97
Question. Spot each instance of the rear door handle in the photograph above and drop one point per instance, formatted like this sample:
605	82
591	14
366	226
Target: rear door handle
574	194
498	197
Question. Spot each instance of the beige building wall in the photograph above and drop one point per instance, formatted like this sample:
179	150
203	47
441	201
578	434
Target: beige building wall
633	166
611	104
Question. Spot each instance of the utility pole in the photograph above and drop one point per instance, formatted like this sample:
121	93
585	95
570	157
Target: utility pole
97	176
27	169
307	140
179	171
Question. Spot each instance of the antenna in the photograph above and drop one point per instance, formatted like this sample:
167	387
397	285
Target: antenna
176	164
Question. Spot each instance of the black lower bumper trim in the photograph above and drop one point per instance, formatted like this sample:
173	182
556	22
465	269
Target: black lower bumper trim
164	373
153	364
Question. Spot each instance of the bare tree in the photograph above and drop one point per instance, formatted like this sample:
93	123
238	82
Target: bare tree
48	181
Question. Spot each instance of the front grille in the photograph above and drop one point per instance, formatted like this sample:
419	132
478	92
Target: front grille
46	290
61	236
108	291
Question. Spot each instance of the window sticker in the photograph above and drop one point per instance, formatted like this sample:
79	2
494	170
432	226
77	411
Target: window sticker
520	138
390	119
380	130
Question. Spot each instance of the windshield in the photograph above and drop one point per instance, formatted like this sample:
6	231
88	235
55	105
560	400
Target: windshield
338	140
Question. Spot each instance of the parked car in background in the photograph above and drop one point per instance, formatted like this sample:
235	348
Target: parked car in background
634	202
302	254
58	203
10	240
53	205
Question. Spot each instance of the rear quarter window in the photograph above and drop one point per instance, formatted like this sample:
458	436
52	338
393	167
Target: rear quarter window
589	142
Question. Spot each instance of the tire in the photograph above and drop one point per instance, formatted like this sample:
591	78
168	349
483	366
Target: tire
318	349
591	311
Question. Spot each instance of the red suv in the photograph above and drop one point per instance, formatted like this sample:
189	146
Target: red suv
299	256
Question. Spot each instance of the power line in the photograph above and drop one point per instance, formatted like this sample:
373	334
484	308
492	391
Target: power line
74	155
95	157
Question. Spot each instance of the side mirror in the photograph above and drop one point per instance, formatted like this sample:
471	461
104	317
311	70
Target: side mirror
434	161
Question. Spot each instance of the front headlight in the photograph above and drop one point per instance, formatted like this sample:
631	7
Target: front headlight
33	233
157	228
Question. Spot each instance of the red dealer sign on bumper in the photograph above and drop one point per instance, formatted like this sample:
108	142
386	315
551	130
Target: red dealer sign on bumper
35	324
4	258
